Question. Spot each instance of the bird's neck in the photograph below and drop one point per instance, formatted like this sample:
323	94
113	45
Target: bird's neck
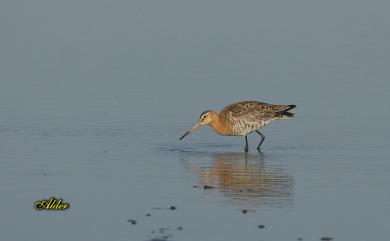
218	125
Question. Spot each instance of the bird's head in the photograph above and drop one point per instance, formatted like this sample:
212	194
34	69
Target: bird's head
205	118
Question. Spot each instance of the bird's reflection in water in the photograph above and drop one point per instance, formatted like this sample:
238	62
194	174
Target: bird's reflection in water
243	178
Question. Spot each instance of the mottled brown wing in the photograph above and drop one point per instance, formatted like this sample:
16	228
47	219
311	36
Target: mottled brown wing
253	110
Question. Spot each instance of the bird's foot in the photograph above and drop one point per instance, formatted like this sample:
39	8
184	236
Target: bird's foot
246	149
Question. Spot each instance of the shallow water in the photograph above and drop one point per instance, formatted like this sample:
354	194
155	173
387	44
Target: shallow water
295	188
93	99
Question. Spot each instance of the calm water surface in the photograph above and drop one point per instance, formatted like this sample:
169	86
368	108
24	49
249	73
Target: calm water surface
95	95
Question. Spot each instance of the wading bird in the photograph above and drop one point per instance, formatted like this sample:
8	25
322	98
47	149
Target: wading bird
242	118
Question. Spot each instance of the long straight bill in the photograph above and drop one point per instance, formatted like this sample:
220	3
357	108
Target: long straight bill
197	125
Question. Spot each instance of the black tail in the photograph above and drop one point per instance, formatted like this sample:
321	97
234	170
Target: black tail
290	107
286	113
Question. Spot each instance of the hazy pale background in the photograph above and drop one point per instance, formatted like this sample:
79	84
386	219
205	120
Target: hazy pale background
78	78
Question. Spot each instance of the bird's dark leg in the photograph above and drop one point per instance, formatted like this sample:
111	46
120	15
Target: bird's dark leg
246	144
262	139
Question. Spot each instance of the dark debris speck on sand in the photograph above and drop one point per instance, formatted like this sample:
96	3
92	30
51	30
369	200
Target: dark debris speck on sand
208	187
148	215
168	208
326	238
261	226
162	238
245	211
132	221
